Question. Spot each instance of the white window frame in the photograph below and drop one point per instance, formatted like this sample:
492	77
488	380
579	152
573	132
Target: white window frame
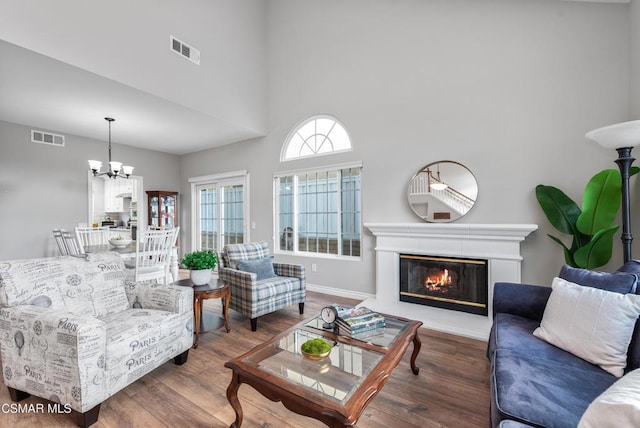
218	180
276	211
299	125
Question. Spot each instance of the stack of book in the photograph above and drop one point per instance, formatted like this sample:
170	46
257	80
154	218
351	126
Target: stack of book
356	322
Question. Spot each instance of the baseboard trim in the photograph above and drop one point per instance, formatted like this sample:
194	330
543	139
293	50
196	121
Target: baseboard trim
339	292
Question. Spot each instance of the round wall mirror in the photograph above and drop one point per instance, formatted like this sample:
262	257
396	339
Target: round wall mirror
442	191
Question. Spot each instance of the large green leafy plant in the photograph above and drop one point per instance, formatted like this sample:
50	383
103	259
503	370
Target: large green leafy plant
199	260
591	227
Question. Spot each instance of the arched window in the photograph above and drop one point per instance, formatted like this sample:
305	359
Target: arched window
316	136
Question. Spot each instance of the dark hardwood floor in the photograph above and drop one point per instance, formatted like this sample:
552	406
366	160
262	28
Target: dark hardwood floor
451	390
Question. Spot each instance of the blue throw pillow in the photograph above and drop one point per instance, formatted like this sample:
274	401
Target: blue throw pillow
263	268
632	267
618	282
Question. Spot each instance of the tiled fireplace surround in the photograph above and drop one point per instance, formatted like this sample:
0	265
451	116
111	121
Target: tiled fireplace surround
497	243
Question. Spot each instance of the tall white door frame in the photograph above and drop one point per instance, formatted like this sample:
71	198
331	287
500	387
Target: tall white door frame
218	180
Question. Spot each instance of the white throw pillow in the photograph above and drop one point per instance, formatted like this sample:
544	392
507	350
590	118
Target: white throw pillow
618	406
593	324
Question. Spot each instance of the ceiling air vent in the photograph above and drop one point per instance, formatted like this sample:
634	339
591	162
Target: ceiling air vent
183	49
47	138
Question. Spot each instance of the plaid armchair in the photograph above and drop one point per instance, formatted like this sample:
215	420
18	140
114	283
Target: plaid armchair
258	285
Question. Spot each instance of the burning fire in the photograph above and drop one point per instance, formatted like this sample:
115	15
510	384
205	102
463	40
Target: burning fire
438	281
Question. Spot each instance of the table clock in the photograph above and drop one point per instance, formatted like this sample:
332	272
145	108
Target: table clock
329	314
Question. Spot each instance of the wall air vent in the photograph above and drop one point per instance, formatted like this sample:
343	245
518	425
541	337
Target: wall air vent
183	49
47	138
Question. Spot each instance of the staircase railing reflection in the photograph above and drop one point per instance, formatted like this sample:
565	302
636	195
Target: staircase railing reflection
422	184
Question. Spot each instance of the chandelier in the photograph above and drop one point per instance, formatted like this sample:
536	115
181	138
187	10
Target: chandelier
115	168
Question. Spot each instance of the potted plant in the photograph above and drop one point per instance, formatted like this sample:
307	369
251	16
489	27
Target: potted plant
201	263
592	228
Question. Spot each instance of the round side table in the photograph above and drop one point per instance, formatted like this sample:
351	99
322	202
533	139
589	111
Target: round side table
215	289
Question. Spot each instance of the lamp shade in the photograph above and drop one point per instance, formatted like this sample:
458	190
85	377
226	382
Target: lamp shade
625	134
115	166
95	165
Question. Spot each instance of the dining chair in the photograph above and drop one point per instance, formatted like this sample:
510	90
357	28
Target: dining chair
92	236
153	255
57	234
71	243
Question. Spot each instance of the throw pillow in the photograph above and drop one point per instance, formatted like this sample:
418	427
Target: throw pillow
233	253
618	406
632	266
593	324
263	268
620	282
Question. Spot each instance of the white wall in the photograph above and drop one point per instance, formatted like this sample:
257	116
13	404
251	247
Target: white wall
45	187
506	87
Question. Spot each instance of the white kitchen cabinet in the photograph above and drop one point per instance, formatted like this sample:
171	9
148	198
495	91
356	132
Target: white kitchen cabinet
97	209
111	190
108	195
126	186
110	201
134	191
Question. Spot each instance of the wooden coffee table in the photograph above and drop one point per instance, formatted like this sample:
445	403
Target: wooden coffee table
203	322
335	390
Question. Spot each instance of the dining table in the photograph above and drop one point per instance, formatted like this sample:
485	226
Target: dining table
128	252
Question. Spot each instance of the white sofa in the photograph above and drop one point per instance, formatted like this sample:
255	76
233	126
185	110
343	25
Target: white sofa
74	332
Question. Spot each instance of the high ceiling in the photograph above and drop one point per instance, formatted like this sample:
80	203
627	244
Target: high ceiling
63	70
50	95
64	66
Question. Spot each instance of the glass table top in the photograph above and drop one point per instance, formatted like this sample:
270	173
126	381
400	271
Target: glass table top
335	377
383	337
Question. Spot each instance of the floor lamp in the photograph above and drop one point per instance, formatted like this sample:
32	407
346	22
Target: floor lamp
623	137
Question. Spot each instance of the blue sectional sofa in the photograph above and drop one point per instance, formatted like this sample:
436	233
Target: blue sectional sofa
534	382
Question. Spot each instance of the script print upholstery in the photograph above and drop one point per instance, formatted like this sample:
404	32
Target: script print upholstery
93	285
73	331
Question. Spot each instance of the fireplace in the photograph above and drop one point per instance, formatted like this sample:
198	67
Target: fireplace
499	244
444	282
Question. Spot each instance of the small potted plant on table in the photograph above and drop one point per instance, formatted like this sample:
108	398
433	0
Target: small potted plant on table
201	263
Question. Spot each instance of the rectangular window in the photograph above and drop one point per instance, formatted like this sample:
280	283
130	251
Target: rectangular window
232	207
318	212
208	199
219	215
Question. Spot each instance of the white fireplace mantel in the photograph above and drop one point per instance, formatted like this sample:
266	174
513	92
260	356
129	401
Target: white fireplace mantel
499	244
